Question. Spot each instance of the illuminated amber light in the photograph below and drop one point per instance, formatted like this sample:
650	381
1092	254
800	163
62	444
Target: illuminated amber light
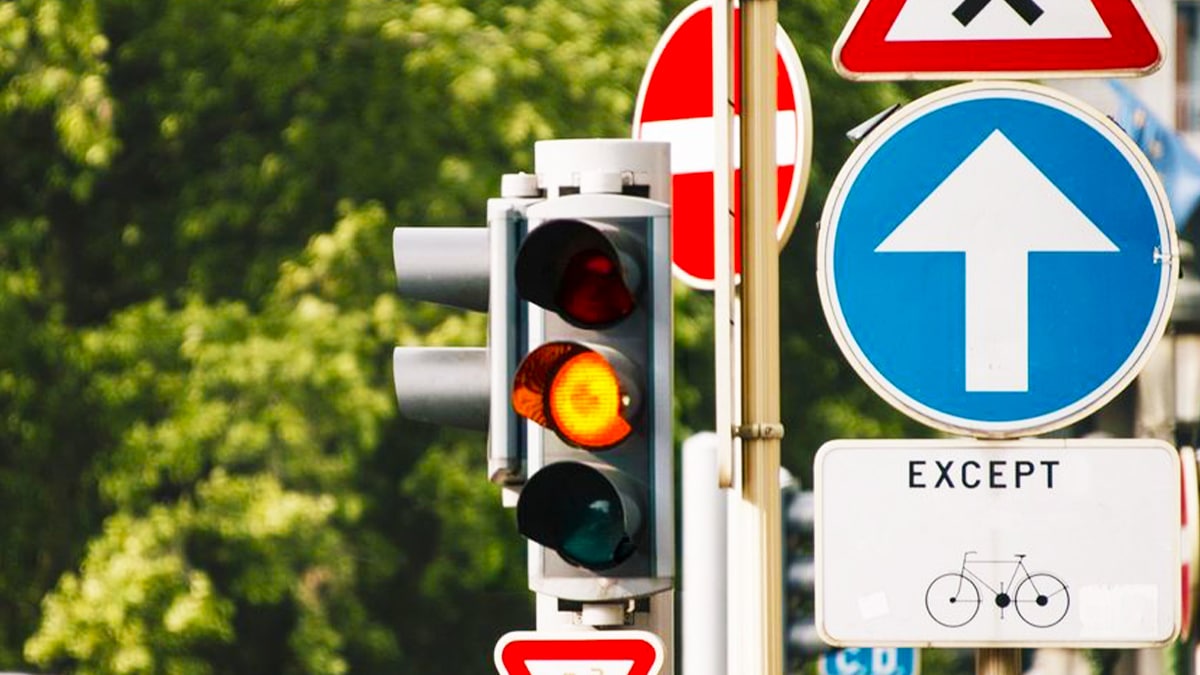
586	402
529	386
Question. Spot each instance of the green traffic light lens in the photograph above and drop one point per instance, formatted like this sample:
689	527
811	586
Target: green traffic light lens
594	536
574	509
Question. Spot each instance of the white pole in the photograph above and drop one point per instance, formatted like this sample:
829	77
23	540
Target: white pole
703	594
726	322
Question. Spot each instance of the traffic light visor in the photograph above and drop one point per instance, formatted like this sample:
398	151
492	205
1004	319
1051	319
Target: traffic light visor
578	511
584	395
572	268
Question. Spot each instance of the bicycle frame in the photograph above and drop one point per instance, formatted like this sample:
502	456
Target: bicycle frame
1040	599
1018	567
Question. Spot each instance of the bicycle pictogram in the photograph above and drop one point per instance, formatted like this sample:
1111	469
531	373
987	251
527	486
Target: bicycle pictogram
1040	599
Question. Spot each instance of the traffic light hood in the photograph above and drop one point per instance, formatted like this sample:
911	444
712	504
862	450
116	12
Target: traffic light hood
583	512
573	268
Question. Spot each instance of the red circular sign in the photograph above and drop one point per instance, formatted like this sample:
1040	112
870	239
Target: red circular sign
675	104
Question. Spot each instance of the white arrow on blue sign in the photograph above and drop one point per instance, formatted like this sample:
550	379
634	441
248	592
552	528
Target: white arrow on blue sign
997	259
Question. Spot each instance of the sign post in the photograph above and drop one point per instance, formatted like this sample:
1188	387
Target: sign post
726	319
756	504
1190	536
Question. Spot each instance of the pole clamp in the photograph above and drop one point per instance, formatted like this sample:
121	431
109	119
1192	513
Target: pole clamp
768	430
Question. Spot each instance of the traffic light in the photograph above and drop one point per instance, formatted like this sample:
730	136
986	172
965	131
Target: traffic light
592	278
800	640
467	268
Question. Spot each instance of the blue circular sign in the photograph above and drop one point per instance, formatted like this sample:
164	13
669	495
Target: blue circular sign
997	260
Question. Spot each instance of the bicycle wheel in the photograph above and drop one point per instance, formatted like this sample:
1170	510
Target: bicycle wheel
1042	600
952	600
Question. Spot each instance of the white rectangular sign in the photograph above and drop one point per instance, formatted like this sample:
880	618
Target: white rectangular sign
963	543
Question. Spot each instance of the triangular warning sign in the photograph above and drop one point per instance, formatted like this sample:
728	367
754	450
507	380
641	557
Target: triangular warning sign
625	652
984	39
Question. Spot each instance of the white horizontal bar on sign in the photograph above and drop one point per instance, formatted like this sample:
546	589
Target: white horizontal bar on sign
581	666
691	141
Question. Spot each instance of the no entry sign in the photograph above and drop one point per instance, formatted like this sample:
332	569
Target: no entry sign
675	104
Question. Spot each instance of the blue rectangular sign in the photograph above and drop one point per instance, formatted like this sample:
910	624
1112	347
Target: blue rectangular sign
870	661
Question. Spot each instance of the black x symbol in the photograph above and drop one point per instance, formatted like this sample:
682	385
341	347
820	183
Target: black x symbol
970	9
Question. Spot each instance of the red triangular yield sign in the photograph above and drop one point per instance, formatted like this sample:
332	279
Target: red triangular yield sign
626	652
976	39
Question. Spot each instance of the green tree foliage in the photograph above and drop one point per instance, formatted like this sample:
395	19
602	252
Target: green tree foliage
57	120
203	470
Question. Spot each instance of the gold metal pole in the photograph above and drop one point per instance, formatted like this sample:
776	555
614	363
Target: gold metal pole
997	662
757	510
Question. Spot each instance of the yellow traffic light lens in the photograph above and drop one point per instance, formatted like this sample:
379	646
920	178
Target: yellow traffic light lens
586	402
533	379
587	396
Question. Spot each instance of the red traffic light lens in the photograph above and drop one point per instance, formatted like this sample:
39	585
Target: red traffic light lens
592	291
588	273
577	392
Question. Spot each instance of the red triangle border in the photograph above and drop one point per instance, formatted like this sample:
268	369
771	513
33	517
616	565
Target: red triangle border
862	52
515	650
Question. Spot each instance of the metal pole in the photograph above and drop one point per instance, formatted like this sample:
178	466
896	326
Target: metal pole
1154	418
757	520
997	662
725	324
703	594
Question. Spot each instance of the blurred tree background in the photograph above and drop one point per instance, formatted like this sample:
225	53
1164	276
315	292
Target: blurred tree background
202	466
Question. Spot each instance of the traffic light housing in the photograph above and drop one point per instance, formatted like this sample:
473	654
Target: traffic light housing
448	266
801	641
467	268
592	278
574	386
